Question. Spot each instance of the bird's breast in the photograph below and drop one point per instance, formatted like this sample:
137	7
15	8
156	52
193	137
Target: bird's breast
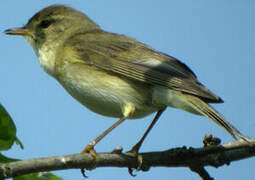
106	94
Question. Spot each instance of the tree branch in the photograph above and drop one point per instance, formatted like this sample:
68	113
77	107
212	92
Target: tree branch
193	158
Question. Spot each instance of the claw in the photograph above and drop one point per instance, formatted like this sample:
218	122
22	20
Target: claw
139	162
130	171
83	173
90	149
134	153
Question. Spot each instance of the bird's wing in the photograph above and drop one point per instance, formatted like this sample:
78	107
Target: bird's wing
131	59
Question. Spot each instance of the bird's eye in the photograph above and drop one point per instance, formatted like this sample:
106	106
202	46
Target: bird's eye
45	23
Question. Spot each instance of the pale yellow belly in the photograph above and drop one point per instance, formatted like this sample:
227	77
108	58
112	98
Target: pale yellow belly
106	94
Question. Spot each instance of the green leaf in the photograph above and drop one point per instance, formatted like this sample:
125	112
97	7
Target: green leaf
4	159
7	131
7	138
38	176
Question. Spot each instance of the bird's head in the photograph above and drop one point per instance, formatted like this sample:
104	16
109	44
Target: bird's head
53	23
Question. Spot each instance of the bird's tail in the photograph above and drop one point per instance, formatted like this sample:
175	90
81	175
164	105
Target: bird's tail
205	109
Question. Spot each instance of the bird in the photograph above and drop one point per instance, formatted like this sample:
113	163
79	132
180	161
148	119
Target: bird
114	75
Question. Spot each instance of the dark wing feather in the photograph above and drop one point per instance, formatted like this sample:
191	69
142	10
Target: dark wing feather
132	59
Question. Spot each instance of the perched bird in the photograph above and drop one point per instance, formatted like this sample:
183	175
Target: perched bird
112	74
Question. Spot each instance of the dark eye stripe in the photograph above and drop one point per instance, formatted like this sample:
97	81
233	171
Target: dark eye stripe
46	23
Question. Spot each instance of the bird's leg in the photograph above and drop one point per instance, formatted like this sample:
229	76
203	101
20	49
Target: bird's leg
127	113
128	110
90	147
136	147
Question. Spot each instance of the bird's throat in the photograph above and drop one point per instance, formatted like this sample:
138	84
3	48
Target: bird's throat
47	60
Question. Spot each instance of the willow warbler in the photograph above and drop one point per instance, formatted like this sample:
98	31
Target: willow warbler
112	74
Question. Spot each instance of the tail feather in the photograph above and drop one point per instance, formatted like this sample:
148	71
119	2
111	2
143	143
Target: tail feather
208	111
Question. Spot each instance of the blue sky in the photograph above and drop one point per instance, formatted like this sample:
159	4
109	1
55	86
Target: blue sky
214	38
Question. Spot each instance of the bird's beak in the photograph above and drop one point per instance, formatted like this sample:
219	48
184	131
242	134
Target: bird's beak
19	31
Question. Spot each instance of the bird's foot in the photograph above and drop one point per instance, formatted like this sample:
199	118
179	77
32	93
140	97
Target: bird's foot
90	150
134	153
